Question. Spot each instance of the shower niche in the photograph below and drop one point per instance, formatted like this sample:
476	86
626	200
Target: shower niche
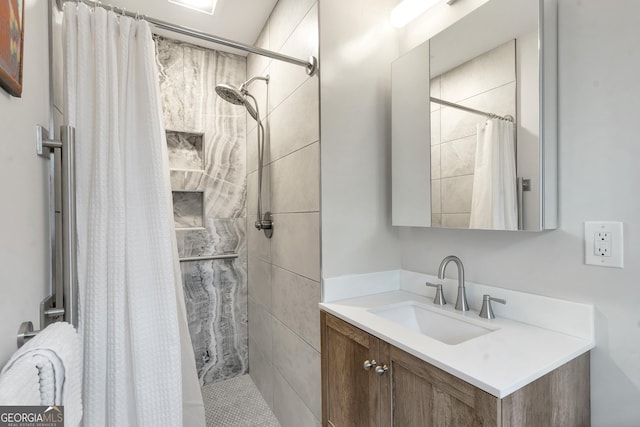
206	141
186	153
446	97
188	209
186	150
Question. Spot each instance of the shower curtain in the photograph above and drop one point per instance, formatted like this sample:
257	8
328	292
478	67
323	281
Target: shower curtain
494	199
139	368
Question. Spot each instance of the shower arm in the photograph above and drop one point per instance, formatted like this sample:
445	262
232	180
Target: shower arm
245	85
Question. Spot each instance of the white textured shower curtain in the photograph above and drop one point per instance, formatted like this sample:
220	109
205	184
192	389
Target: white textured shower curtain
494	199
139	368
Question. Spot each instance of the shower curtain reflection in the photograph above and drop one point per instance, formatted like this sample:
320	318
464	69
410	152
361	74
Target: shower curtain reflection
494	200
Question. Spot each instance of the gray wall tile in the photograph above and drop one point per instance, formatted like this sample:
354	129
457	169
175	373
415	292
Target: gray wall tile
301	109
286	16
295	303
456	194
261	371
458	157
260	281
436	196
296	243
490	70
296	180
456	220
299	365
435	162
261	326
292	185
286	78
289	408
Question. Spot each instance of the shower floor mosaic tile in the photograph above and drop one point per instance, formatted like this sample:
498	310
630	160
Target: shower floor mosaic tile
236	403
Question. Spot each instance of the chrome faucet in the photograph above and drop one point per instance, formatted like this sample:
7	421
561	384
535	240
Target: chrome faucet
461	301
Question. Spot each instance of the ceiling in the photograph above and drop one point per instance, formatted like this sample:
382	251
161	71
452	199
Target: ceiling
237	20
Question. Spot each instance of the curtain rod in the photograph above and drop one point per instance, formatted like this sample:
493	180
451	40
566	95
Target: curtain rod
508	118
311	65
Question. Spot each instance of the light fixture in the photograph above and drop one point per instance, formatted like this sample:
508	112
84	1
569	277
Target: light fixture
408	10
206	6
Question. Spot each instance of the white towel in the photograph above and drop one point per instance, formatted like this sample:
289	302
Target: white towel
46	371
20	385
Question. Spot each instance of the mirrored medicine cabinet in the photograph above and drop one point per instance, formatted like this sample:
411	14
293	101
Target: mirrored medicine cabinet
474	122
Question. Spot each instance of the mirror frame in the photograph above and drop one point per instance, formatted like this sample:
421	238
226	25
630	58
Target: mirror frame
410	134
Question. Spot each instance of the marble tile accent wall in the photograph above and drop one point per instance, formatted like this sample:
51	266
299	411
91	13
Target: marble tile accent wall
206	139
284	272
487	83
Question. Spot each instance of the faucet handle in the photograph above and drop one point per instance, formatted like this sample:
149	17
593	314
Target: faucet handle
439	298
486	311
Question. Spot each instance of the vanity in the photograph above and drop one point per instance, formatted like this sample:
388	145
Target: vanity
394	358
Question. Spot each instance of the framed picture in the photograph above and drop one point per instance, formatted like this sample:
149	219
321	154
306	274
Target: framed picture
11	45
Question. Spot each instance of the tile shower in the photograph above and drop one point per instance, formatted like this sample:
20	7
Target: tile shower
206	139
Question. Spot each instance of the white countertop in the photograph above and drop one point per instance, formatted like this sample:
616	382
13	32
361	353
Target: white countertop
500	362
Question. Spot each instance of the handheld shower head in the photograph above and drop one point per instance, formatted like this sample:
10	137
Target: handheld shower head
235	96
238	96
230	94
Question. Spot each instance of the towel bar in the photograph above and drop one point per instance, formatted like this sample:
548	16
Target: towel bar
25	333
208	257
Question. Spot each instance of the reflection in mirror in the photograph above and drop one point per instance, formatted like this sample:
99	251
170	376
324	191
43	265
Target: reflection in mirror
473	156
485	154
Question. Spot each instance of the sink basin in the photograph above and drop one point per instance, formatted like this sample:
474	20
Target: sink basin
443	327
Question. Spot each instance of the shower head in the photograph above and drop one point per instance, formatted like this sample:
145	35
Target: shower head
237	97
230	94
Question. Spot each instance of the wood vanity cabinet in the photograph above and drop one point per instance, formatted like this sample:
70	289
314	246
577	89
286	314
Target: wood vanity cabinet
411	392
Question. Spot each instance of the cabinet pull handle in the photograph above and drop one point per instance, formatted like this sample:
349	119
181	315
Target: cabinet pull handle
380	370
368	364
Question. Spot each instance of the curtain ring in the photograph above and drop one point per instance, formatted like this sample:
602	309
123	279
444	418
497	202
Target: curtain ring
137	16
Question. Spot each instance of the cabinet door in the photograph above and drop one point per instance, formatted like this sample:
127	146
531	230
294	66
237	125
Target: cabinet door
418	394
350	393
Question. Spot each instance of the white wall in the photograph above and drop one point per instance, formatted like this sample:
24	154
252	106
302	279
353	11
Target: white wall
599	60
23	186
356	50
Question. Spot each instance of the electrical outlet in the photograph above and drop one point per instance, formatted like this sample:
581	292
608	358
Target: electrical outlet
603	243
